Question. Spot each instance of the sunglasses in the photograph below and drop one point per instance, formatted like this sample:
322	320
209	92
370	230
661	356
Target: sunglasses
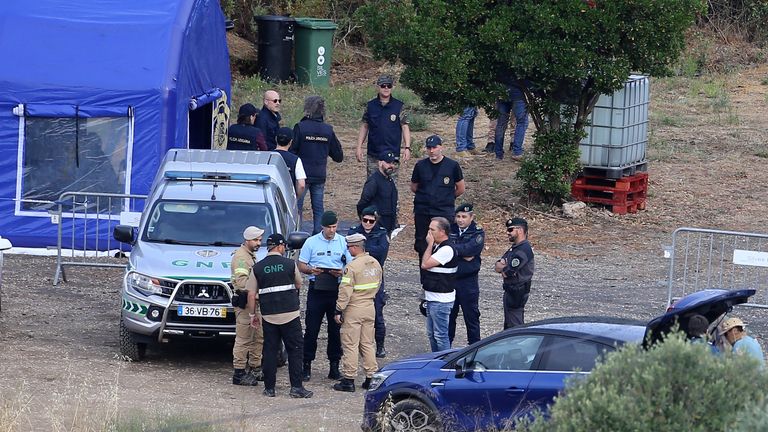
366	220
510	229
275	100
389	86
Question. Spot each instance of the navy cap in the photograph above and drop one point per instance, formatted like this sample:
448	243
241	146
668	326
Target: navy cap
385	79
434	141
247	110
284	136
466	207
516	222
389	157
369	211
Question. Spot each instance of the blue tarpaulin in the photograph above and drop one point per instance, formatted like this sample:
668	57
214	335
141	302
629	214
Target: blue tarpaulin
92	95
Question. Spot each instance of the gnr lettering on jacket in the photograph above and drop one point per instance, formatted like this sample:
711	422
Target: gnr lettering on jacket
275	268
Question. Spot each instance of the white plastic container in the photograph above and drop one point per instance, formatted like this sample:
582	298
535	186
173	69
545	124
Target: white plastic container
618	134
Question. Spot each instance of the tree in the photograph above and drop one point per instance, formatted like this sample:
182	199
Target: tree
563	53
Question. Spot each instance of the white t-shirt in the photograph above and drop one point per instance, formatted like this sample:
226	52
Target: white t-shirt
299	171
443	255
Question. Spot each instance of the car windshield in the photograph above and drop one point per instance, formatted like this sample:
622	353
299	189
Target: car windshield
208	223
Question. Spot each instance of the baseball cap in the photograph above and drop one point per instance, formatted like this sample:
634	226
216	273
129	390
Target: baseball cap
247	110
434	141
516	222
284	135
275	240
385	79
731	323
252	233
389	157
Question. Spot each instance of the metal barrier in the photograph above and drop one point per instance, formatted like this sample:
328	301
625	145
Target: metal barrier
88	219
705	258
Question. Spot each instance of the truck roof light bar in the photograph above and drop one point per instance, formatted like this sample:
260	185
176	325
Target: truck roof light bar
197	175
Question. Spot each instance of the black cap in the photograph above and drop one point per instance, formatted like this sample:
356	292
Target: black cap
434	141
247	110
328	218
389	157
369	211
466	207
284	136
516	222
385	79
275	240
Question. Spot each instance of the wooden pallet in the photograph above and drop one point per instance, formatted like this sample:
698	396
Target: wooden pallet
624	195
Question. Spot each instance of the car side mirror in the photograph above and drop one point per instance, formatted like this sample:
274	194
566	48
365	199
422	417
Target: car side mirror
296	239
460	372
124	234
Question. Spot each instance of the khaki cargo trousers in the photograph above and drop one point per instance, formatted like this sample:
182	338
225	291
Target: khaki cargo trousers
249	342
357	339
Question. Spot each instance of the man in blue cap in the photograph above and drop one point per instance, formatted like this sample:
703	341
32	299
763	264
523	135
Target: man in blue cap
468	242
516	267
380	191
295	165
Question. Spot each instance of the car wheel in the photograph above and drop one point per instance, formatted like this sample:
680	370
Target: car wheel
129	348
412	415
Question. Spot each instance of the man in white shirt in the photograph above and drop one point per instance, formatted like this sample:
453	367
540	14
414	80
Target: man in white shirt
295	166
439	282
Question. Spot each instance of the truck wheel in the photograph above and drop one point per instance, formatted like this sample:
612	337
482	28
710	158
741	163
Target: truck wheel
129	348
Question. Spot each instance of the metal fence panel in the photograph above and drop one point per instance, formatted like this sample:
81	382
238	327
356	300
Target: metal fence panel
707	258
85	222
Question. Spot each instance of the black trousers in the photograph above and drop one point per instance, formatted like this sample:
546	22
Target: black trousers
290	335
513	316
321	304
379	325
421	225
467	298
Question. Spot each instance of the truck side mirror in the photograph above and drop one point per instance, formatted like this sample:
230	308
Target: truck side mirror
296	239
124	234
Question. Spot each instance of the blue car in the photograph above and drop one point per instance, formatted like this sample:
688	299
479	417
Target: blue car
493	382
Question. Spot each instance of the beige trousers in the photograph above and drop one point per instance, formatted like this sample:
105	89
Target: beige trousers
249	342
357	340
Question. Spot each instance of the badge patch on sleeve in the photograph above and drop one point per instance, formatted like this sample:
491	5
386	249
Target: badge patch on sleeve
515	262
479	239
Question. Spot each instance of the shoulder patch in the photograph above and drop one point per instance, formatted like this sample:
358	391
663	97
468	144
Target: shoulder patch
479	239
515	262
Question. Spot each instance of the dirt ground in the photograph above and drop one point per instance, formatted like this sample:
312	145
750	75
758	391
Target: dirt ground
59	359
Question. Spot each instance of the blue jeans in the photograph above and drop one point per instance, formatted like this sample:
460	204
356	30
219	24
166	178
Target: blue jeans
438	315
518	107
465	129
316	191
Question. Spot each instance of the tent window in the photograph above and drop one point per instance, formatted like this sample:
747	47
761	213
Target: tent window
72	155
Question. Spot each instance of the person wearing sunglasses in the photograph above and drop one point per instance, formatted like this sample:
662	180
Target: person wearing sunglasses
377	245
384	126
269	118
380	191
516	267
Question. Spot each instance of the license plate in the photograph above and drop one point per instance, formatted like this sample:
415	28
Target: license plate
202	311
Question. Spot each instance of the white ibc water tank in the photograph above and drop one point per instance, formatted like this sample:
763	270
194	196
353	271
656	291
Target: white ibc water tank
618	134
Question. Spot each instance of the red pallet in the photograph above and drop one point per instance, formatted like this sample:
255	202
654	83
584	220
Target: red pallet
625	195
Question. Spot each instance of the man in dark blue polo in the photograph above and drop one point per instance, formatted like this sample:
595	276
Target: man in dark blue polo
385	125
468	242
436	182
244	135
269	118
380	191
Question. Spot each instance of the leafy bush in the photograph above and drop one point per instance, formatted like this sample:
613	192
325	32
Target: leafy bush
673	386
548	169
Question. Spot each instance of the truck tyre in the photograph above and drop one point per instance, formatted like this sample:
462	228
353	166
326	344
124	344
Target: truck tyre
129	348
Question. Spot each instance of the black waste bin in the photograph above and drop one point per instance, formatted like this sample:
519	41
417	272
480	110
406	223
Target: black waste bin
275	47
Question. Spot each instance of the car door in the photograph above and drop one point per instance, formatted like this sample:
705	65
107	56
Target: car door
492	385
562	357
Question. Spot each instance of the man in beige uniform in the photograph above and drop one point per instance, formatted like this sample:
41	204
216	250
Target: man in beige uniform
356	313
249	341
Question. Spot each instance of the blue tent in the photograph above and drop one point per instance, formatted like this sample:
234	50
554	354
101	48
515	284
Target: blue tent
92	95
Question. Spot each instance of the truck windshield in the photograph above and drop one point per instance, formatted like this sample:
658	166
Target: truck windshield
214	223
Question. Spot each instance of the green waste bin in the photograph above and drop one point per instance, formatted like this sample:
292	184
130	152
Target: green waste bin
314	46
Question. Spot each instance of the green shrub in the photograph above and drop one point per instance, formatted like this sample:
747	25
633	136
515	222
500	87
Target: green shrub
548	169
674	386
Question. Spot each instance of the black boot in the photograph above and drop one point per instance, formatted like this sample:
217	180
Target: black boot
300	393
333	371
380	351
240	377
345	385
366	384
306	373
256	372
490	147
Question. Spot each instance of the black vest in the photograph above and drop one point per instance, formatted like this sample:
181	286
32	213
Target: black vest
385	132
277	292
316	141
290	160
243	137
442	279
436	194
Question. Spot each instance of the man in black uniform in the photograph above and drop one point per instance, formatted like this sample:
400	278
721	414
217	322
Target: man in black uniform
277	282
436	182
516	267
269	118
295	166
314	141
468	241
244	135
380	191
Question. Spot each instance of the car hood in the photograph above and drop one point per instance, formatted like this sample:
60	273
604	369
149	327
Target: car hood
710	303
420	360
182	261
